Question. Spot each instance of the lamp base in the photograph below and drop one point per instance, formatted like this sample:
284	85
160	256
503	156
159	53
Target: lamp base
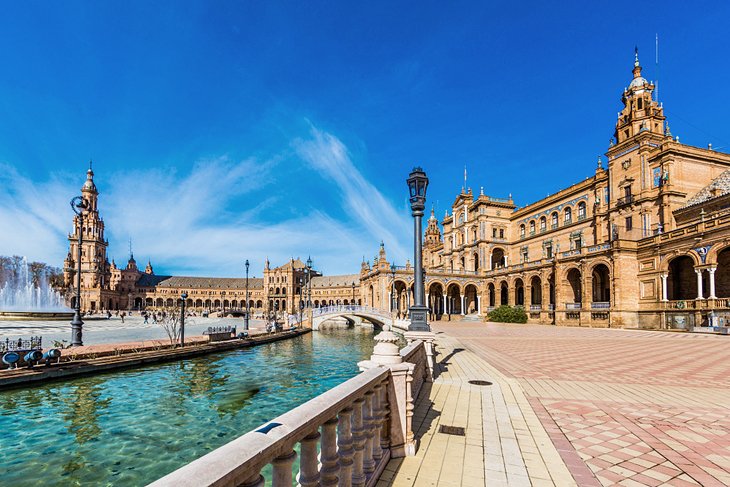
418	318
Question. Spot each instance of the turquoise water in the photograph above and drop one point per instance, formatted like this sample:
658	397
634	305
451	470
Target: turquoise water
132	427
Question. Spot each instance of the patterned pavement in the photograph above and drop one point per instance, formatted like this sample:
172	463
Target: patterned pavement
627	407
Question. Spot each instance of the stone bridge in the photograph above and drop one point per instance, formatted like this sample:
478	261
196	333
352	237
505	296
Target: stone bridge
354	314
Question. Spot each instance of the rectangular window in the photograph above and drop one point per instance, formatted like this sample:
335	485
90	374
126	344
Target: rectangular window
627	191
501	233
494	233
549	252
629	223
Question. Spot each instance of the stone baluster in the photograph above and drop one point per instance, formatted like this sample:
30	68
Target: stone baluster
378	420
385	418
368	463
282	476
358	439
308	471
329	469
256	480
345	444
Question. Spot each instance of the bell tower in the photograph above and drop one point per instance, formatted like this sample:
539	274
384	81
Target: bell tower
95	272
641	113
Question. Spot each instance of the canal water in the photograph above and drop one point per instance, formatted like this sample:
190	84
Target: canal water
132	427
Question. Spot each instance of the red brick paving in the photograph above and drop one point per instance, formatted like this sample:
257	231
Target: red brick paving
629	435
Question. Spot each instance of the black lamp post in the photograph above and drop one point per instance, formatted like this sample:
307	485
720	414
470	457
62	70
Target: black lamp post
245	317
78	204
417	184
183	297
309	281
353	294
393	301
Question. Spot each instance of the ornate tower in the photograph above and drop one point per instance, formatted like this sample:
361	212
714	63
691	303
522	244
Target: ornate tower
95	272
640	113
433	233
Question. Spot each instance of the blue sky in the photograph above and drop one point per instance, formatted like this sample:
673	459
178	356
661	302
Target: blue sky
222	131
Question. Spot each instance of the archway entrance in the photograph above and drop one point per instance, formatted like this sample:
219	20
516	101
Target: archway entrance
601	284
574	284
470	298
436	300
722	275
682	280
399	302
519	292
491	294
535	291
453	294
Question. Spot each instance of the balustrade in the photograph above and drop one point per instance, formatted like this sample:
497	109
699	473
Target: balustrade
573	305
351	418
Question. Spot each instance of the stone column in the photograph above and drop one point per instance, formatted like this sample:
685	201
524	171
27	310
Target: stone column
282	474
346	451
308	471
462	304
699	283
665	292
446	309
712	270
329	469
479	304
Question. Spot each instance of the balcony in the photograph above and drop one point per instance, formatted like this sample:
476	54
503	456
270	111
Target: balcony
626	200
600	305
573	306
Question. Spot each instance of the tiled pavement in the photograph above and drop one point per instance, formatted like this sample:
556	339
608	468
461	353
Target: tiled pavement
505	443
621	407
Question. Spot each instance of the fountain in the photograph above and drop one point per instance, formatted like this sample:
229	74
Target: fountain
23	299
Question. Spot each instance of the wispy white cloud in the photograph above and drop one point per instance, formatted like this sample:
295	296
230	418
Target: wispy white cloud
330	156
210	219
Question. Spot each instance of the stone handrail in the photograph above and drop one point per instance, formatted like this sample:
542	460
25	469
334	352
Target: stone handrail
352	308
353	418
415	353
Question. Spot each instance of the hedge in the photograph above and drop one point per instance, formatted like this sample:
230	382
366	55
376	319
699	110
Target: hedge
508	314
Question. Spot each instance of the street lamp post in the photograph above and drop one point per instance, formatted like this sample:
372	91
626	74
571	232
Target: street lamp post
183	297
417	184
309	281
393	301
353	294
78	204
245	317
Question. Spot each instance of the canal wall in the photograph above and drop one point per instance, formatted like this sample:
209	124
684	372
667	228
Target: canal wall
88	362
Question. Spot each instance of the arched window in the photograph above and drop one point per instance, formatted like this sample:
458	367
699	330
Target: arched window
532	227
568	215
522	231
543	224
554	220
581	210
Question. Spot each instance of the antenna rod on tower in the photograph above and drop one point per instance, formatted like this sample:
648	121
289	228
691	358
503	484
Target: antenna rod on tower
656	90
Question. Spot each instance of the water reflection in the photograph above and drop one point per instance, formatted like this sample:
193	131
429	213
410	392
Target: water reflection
131	427
84	405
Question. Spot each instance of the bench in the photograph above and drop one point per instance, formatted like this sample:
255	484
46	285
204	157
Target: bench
220	333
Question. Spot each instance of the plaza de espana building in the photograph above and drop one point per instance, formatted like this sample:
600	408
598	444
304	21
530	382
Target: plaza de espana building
643	241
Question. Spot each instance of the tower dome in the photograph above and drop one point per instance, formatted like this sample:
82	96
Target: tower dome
89	183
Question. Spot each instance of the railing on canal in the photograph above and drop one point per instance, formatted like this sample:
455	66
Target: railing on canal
357	427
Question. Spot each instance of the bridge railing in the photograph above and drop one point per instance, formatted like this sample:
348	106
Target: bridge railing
348	424
350	308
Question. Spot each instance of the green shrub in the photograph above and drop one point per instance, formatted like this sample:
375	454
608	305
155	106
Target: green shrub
509	314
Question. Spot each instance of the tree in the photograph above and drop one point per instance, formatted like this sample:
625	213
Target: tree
169	320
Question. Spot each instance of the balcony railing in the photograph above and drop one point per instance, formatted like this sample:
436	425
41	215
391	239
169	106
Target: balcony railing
573	305
626	200
535	307
600	305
